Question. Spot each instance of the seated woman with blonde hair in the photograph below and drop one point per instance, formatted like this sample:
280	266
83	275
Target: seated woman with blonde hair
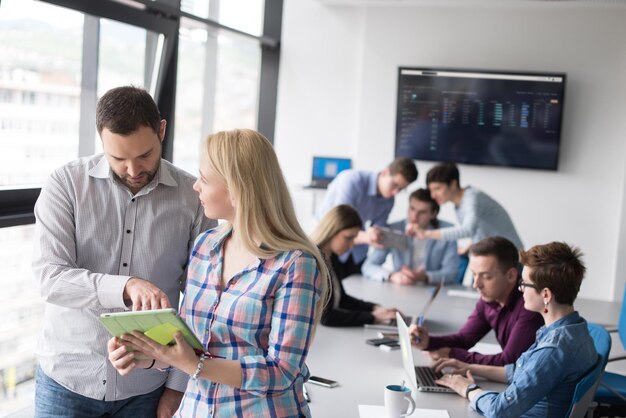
542	381
335	235
255	290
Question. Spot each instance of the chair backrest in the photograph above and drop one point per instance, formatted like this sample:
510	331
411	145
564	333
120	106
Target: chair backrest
621	327
586	387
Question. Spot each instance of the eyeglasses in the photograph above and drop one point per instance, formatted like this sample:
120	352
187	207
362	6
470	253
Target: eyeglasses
522	284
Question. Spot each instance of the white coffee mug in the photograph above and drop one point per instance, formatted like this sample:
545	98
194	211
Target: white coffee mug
396	398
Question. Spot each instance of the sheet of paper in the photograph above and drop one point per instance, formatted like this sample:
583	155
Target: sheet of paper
378	411
470	294
486	348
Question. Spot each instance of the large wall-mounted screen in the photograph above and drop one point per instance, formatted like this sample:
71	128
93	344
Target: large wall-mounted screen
480	117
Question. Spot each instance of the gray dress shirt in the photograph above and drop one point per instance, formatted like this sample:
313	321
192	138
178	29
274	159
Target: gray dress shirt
480	216
91	236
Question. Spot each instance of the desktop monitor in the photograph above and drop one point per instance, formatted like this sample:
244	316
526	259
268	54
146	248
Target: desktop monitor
510	119
325	169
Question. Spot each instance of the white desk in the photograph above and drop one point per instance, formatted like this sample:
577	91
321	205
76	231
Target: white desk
363	370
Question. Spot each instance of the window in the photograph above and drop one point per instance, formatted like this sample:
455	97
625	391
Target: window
224	95
229	13
121	40
40	76
21	310
56	62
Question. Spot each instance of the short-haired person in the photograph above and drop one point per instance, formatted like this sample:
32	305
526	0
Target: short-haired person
113	232
255	290
493	262
479	215
372	195
423	261
542	381
335	235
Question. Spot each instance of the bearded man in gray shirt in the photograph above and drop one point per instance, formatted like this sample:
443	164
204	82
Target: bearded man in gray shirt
113	232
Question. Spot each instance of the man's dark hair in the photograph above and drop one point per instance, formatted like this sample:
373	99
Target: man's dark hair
123	110
501	248
405	167
443	173
423	195
557	266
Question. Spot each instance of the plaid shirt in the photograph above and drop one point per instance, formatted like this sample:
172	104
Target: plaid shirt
264	318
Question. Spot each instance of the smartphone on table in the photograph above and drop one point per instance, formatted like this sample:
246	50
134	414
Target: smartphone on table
323	382
379	341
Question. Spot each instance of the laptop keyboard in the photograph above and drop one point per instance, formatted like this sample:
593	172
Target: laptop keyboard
426	376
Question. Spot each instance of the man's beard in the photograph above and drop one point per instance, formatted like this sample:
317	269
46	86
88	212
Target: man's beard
146	177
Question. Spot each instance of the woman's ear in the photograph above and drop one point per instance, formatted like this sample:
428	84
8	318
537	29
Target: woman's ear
546	294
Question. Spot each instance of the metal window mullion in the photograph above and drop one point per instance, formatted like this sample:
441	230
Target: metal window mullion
210	84
152	40
89	85
270	58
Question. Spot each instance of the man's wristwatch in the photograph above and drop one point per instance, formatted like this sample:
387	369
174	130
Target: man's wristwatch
471	387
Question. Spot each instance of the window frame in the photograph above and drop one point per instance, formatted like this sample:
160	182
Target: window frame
18	203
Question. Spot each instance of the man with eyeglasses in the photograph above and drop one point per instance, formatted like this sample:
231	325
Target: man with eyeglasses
494	265
372	195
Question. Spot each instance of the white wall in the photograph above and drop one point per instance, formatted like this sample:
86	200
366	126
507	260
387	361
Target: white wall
337	87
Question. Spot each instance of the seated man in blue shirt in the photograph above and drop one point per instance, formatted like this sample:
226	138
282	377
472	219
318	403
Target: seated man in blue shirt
372	195
423	260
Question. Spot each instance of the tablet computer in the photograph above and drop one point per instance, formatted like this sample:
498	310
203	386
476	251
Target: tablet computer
393	238
158	324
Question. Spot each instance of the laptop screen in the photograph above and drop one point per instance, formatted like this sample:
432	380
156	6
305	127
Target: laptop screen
327	168
405	346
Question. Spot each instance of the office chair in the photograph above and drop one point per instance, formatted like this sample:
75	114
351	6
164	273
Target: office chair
612	389
582	402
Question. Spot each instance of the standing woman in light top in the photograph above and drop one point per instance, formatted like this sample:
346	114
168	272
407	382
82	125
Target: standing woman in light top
480	216
255	291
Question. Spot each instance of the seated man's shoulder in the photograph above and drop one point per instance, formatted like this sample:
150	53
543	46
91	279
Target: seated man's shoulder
398	226
445	224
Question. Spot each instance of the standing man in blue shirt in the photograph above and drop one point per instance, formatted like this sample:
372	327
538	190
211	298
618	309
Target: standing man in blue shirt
372	195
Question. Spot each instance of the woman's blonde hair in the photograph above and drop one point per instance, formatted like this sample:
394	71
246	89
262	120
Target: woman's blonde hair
246	161
336	220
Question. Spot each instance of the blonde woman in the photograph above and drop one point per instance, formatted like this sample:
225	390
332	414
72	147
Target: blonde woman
335	235
254	292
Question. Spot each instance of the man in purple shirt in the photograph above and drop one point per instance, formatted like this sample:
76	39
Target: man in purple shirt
493	261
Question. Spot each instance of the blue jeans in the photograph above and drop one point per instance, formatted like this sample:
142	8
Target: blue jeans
53	400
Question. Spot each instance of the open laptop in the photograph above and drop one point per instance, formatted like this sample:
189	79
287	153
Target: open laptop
391	325
422	377
325	169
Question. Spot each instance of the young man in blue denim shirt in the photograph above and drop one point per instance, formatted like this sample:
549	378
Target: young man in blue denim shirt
542	381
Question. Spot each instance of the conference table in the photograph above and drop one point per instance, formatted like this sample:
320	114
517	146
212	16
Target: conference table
363	371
